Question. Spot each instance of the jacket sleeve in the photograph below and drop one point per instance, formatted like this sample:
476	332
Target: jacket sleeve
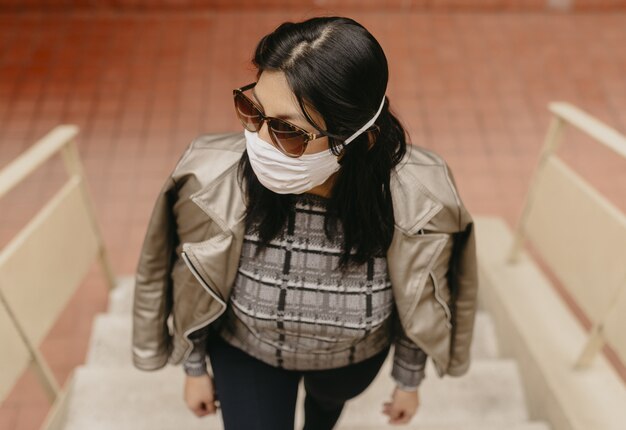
463	281
153	293
152	301
408	368
195	365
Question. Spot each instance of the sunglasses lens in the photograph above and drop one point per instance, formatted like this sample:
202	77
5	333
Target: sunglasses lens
248	114
290	140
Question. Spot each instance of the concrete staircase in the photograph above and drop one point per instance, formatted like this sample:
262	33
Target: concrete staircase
108	392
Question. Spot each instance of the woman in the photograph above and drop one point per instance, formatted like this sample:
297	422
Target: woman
308	246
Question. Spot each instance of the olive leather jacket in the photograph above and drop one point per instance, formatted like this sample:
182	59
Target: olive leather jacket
189	257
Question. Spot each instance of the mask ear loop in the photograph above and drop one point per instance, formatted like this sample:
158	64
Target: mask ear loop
367	124
365	127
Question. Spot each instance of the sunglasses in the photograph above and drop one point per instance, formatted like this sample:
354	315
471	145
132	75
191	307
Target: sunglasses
287	137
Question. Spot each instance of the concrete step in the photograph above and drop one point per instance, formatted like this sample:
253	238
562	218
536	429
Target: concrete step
533	425
110	342
121	297
487	397
130	399
485	341
490	393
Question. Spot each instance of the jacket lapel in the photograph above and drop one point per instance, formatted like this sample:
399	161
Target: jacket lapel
223	201
214	260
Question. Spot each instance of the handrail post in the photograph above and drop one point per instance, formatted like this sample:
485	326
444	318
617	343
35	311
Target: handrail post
551	141
71	159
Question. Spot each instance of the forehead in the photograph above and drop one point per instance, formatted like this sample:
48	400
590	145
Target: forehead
274	93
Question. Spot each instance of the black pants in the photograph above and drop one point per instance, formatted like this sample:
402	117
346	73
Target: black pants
254	395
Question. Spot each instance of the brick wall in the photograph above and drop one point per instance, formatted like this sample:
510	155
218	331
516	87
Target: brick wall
426	5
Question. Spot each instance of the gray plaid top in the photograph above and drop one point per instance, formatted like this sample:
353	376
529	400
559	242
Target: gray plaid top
292	308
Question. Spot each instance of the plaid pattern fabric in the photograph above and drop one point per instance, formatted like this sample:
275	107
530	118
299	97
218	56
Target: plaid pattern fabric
292	308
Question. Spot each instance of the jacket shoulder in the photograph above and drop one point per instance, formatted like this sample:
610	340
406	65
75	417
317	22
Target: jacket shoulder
208	156
228	141
430	172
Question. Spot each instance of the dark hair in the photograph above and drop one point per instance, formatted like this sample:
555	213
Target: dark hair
336	67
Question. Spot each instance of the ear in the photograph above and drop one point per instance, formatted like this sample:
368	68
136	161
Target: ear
372	136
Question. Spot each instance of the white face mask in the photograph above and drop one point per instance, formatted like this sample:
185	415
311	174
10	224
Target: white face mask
288	175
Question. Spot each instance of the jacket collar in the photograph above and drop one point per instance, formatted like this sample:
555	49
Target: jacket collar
414	205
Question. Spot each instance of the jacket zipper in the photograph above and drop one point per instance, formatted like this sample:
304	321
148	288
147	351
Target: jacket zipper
206	286
441	301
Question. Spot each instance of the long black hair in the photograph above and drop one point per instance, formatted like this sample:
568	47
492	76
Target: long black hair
336	67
